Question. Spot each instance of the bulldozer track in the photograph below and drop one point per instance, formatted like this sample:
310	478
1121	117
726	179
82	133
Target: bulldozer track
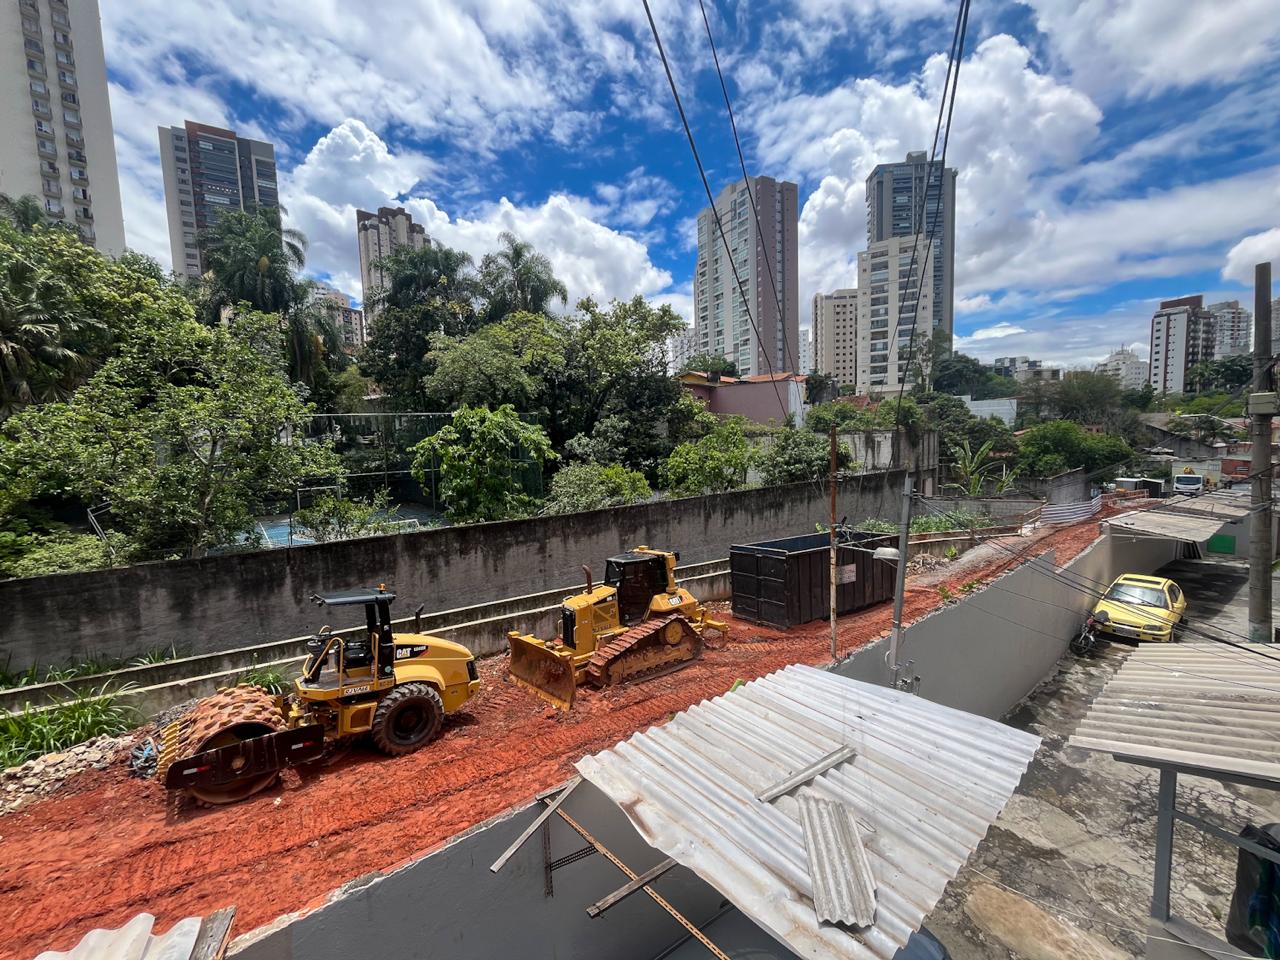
641	653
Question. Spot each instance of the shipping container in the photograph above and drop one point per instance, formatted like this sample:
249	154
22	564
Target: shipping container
787	582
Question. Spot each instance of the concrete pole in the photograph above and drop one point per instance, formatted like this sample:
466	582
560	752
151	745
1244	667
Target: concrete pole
832	585
1260	549
900	587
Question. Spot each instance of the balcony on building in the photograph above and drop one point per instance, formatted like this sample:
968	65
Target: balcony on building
35	68
58	4
81	194
46	149
29	6
31	28
77	158
33	46
71	119
79	176
54	208
49	169
51	188
87	234
66	80
44	129
62	39
74	139
84	214
41	109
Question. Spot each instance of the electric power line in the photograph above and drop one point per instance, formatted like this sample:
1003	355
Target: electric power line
706	186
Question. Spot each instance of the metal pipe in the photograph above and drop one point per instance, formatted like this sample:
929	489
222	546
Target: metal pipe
1260	548
900	586
832	584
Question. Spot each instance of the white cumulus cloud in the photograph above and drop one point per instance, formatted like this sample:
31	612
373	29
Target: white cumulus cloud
1244	256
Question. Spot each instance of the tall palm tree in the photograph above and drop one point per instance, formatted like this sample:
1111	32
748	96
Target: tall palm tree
435	282
43	339
25	212
253	257
517	277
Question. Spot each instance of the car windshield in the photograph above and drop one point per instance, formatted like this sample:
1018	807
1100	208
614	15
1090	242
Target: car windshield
1187	481
1143	596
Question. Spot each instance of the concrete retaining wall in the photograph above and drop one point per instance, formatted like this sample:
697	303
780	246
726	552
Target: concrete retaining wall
483	629
987	651
222	603
448	904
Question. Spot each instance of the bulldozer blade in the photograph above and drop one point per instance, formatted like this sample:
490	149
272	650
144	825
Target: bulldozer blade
542	671
215	770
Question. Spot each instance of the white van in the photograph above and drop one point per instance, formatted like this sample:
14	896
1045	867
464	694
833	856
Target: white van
1188	483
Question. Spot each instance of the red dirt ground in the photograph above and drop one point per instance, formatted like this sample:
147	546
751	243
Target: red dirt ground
108	846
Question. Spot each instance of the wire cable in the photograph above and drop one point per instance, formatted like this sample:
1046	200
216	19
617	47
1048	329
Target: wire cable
706	186
733	126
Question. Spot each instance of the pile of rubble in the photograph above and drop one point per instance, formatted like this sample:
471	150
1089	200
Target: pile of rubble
43	775
925	561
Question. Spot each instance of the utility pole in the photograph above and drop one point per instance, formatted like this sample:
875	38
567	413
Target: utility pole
832	485
1262	405
900	586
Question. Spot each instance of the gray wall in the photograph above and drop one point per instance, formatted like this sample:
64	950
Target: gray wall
219	603
448	904
987	651
1070	487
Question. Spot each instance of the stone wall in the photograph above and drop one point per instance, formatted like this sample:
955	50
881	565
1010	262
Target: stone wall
220	603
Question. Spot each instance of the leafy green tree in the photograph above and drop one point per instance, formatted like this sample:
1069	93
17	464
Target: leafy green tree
843	416
66	552
712	365
337	518
254	258
594	486
516	278
183	433
25	212
820	387
800	455
46	341
974	469
714	464
478	457
955	425
1139	399
1225	374
1060	445
1086	397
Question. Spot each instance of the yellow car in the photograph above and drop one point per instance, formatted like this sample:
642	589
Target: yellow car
1141	608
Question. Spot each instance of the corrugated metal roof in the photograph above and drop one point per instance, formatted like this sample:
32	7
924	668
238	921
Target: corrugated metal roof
844	885
1203	706
1195	518
925	784
134	941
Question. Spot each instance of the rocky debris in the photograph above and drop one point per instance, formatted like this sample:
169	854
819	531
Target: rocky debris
925	561
43	775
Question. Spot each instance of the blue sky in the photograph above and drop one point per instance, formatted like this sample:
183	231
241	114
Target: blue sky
1111	153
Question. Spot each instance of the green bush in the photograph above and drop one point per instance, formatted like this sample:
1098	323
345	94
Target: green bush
38	554
72	720
799	455
592	486
267	678
337	518
713	464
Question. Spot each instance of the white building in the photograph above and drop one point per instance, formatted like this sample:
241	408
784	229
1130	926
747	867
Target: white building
381	234
1181	337
806	349
890	298
1125	367
57	142
348	320
723	314
681	349
1232	329
1004	409
835	334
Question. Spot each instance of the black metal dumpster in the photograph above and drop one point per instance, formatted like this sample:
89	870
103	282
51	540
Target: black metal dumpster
786	582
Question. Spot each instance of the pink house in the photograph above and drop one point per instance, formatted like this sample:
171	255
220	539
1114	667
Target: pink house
761	399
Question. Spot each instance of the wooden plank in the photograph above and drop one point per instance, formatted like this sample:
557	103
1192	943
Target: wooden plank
214	936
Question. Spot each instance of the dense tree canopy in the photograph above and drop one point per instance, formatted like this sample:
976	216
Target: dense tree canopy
1052	448
516	278
711	364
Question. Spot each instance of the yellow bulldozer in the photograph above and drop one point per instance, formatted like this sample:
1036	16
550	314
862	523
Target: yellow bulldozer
635	625
395	686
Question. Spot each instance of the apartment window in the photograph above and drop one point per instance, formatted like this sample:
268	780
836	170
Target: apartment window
81	193
35	46
42	108
46	148
71	98
67	77
71	116
61	19
62	38
185	203
39	88
44	128
64	58
78	174
30	25
35	66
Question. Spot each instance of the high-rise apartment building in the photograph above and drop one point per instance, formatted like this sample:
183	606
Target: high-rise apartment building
890	299
912	198
347	320
57	142
1025	370
681	348
1232	329
806	349
723	314
381	234
835	335
1182	335
1126	368
209	171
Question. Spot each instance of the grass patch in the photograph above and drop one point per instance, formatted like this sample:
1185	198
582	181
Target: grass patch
268	678
73	670
70	720
931	523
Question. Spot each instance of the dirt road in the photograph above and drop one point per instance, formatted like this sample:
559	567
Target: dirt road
108	846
